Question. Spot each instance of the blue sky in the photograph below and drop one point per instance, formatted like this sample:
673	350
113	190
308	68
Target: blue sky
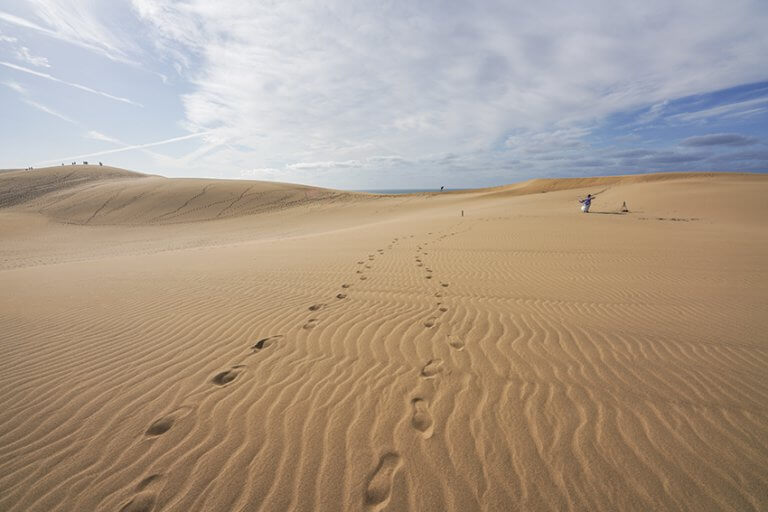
386	95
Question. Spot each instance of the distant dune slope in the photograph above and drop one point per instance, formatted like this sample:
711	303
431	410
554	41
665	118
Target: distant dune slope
542	185
104	195
711	197
94	195
17	187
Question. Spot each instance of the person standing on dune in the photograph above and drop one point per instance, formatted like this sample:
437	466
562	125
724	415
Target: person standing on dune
586	203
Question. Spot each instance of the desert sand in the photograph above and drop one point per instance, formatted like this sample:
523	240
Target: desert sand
187	344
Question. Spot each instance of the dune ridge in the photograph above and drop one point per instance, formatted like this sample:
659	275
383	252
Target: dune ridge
104	195
343	351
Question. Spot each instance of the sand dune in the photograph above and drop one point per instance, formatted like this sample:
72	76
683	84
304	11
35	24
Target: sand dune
104	195
208	345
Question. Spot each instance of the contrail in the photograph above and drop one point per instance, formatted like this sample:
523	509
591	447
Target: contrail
71	84
127	148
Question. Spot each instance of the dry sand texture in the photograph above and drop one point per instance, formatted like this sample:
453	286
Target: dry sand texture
185	345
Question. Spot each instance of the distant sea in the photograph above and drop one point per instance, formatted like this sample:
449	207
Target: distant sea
404	190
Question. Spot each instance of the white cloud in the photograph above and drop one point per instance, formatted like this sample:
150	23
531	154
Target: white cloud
300	82
21	22
103	28
74	22
325	165
318	89
653	113
93	134
70	84
16	87
25	55
737	109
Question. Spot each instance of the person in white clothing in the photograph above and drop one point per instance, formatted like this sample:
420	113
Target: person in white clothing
586	203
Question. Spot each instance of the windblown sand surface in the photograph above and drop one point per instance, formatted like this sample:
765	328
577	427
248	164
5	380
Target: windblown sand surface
221	346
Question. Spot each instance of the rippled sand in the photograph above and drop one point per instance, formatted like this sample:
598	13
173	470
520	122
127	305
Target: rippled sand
207	345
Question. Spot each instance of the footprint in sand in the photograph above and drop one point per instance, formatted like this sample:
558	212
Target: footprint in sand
265	342
316	307
341	296
311	324
367	266
148	481
429	270
360	262
428	277
443	309
160	426
346	285
225	377
430	322
419	264
444	285
164	424
379	486
358	271
144	501
432	368
455	343
363	278
438	294
422	419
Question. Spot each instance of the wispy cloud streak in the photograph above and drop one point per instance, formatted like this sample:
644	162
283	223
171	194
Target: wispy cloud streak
71	26
70	84
719	139
49	110
24	54
737	109
126	148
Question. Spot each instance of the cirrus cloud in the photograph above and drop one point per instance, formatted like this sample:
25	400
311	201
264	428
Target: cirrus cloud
719	139
300	83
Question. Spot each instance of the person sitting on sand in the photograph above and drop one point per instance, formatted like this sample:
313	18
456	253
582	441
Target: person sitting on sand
586	203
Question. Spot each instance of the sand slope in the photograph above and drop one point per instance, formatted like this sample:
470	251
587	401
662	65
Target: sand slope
198	345
104	195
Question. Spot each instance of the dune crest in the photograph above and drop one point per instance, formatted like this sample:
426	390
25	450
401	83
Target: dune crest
109	196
